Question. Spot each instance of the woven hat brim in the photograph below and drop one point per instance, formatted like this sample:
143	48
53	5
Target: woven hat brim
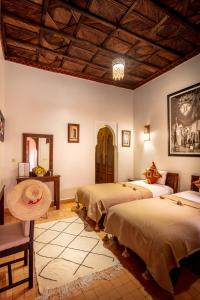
24	212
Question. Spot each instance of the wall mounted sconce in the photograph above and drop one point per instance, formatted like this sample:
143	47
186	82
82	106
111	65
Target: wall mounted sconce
147	133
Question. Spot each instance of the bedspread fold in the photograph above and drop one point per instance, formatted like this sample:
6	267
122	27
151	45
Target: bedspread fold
99	198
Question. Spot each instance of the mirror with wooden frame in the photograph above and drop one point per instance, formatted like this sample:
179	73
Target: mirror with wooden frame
38	150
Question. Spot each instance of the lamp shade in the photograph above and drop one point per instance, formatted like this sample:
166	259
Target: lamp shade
118	65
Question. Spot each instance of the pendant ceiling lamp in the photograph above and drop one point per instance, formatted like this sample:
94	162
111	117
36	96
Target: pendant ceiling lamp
118	65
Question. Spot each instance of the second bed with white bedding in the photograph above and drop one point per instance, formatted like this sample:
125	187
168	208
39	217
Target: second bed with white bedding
156	189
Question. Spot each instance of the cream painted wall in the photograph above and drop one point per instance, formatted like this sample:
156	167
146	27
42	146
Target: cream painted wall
2	103
43	102
150	107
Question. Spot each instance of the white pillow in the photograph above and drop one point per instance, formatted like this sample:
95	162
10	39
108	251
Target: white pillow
162	179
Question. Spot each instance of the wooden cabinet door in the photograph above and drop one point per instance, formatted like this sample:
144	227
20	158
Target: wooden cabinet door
104	160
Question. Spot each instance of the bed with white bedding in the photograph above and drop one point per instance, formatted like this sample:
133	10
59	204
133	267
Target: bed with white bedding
156	189
98	198
161	230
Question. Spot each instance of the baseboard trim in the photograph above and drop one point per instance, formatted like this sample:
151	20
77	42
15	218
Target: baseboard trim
67	200
6	210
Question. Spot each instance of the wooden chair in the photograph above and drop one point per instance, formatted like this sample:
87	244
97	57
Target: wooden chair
16	238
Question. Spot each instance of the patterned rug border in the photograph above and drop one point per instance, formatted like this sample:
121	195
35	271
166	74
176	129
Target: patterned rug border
82	282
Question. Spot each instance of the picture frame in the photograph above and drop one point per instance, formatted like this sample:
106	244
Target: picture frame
23	169
126	138
2	126
184	122
73	133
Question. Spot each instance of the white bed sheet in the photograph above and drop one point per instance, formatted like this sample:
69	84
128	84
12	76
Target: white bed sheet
190	195
156	189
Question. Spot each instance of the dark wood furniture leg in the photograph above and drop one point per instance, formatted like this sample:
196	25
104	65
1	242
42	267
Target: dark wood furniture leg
26	257
58	193
31	266
55	194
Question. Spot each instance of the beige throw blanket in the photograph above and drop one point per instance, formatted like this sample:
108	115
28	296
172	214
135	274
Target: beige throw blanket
159	231
98	198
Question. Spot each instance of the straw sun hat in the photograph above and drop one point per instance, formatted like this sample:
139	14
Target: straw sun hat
29	200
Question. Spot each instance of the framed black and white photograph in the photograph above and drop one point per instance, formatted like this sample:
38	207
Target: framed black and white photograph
126	138
2	126
184	122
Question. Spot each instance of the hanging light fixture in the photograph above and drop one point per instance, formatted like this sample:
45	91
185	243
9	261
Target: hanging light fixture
118	68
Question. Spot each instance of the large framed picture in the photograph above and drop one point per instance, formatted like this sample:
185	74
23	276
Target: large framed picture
184	122
2	126
73	133
126	138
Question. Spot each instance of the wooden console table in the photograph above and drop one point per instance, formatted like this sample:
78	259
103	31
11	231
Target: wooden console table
56	181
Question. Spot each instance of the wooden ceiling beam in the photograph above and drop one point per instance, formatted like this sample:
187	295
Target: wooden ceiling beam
185	6
7	17
114	26
171	66
30	46
2	32
156	27
128	11
44	10
176	15
85	13
42	21
42	66
138	14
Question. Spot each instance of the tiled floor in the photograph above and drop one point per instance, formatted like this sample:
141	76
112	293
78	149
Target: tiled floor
126	284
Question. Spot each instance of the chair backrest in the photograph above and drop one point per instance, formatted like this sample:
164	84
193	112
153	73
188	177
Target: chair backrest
26	227
31	230
2	205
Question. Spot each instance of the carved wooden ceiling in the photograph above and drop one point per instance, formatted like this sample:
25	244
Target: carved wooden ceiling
82	37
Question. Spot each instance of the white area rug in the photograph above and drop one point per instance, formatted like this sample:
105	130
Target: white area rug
69	255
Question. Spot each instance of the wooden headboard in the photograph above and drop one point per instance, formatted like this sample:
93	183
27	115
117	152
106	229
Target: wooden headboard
172	181
193	186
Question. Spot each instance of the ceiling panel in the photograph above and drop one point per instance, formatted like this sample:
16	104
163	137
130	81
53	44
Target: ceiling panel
82	37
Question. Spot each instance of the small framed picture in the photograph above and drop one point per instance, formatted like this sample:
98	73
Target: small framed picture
73	133
126	138
2	126
23	169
